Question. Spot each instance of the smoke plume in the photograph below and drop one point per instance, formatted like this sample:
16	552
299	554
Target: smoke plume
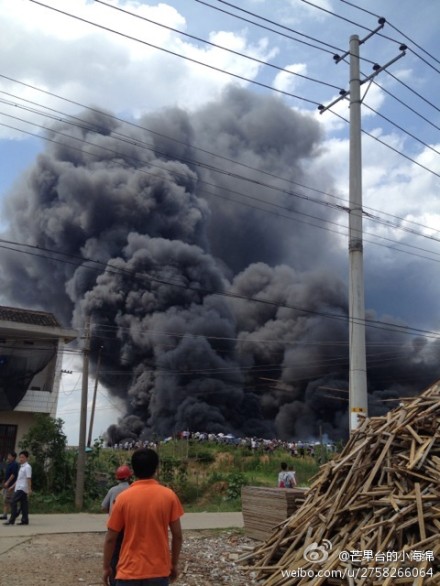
215	301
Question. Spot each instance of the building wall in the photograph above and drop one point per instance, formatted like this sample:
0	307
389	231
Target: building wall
44	401
23	421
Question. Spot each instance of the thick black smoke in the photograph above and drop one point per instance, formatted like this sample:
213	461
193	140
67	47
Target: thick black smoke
169	257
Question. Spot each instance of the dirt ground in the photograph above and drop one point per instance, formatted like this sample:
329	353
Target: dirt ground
72	559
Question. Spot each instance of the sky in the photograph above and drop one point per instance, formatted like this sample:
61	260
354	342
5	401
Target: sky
134	67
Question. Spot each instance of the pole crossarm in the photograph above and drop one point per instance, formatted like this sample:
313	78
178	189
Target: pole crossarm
377	69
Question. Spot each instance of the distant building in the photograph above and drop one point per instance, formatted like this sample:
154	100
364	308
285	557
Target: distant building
31	346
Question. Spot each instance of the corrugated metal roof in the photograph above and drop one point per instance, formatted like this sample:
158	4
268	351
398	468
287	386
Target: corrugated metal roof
28	316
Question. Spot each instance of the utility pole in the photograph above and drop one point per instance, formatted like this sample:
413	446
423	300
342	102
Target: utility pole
81	462
95	391
358	394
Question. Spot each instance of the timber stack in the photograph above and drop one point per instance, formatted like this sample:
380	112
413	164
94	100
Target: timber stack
373	512
265	508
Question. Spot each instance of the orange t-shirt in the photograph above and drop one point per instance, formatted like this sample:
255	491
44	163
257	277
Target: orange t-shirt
144	512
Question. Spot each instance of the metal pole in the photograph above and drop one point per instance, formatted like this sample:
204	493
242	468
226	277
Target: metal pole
358	400
81	462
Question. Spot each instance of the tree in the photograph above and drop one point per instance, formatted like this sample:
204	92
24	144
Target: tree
46	443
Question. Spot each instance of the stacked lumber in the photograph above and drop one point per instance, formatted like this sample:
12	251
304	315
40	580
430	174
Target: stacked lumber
380	496
266	508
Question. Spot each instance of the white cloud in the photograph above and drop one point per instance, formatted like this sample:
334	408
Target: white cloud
96	67
287	82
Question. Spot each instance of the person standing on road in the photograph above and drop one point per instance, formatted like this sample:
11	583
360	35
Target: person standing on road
11	475
123	475
145	512
22	490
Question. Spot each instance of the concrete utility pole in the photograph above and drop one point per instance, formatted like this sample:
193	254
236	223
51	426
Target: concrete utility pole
81	461
358	395
95	392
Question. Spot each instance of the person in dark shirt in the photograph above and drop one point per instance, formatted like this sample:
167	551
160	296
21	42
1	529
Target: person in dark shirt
11	475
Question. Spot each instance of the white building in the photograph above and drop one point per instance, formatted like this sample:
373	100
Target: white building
31	348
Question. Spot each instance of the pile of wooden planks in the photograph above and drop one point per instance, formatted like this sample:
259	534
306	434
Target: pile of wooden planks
374	510
265	508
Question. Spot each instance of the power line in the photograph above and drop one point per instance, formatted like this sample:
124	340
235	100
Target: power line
141	144
413	91
253	198
99	265
234	75
155	133
125	138
238	53
322	9
149	130
413	110
377	139
240	9
425	144
403	35
270	29
175	54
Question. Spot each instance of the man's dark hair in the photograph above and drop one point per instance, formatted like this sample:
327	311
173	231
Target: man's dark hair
13	454
283	466
25	453
144	462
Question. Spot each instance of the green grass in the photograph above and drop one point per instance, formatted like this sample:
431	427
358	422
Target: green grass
207	477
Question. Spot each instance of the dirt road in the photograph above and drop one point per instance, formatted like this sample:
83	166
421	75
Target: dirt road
74	559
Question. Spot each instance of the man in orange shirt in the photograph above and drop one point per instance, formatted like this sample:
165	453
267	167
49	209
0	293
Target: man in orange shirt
144	511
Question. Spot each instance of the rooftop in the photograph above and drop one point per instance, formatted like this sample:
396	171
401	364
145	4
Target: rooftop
28	316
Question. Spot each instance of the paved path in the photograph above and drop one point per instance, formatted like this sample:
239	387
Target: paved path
95	523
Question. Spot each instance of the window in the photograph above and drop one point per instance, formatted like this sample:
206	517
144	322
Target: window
8	437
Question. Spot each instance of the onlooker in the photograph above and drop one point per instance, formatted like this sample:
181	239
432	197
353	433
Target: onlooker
282	475
123	475
286	477
11	475
22	490
144	512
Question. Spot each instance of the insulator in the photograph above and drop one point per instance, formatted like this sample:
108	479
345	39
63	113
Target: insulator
382	20
376	67
336	57
403	47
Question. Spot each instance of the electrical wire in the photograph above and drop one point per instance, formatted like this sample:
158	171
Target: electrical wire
377	139
211	44
175	54
425	144
413	110
328	51
402	34
133	274
86	126
155	133
412	90
139	40
326	221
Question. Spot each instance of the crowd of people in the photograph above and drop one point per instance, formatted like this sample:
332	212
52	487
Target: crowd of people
296	448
